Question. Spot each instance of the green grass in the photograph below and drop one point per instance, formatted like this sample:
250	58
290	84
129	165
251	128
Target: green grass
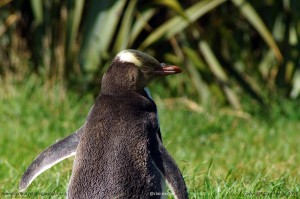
222	153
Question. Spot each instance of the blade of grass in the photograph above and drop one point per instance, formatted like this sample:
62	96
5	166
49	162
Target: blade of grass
174	5
126	24
296	85
199	84
37	9
219	73
140	23
212	61
101	22
178	23
251	15
75	9
4	2
9	21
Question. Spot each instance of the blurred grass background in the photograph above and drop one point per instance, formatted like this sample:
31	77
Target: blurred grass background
230	119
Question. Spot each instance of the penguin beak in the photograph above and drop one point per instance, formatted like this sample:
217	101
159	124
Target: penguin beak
165	69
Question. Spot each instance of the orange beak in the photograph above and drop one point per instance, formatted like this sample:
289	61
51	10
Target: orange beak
167	70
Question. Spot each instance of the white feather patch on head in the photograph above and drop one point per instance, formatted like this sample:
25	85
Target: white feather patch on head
126	56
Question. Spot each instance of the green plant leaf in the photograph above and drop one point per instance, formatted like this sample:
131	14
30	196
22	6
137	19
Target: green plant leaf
178	23
212	61
219	73
200	86
140	23
296	85
126	24
4	2
37	9
101	23
75	9
174	5
251	15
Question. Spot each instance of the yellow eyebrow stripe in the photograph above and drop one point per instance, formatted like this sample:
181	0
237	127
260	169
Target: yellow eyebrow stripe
129	57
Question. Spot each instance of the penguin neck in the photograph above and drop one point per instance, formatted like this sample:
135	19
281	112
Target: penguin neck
116	83
111	88
116	90
119	92
134	98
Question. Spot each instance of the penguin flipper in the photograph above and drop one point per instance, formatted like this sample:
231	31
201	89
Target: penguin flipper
57	152
169	169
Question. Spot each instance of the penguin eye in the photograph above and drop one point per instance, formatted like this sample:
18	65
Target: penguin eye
145	69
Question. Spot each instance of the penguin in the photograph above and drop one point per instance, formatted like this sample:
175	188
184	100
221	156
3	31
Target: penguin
119	150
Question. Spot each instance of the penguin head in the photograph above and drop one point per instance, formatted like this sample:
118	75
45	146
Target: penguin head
133	70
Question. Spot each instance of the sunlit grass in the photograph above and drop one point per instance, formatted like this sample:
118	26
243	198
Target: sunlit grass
220	153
